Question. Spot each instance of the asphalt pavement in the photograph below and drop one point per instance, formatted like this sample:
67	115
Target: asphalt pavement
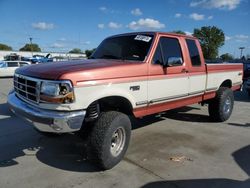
180	148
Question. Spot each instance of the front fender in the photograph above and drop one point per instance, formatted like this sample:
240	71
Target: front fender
86	95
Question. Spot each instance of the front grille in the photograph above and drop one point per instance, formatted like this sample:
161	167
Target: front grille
27	88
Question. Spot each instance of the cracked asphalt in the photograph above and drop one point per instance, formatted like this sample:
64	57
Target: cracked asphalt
180	148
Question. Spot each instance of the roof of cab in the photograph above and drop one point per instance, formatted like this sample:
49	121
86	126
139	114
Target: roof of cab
154	33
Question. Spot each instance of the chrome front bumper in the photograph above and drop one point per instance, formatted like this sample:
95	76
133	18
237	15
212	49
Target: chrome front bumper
46	120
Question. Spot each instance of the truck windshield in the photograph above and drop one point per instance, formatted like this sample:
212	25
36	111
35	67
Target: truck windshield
129	47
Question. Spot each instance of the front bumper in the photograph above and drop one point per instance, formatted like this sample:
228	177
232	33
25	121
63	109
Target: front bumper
47	120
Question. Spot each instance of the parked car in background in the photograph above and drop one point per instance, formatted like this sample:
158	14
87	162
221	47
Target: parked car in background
12	57
39	59
7	68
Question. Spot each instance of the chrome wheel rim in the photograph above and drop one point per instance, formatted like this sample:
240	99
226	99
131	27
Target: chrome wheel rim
227	105
117	141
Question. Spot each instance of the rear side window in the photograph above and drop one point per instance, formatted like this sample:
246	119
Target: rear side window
193	52
12	64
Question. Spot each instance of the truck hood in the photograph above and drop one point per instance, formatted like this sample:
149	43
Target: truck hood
85	70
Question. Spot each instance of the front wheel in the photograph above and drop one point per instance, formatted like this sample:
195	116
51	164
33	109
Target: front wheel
109	139
221	107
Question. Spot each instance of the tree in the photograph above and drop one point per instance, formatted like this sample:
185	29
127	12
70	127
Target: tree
5	47
211	39
226	57
30	48
179	32
89	52
75	51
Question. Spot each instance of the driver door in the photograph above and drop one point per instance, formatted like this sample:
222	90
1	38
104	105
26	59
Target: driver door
167	83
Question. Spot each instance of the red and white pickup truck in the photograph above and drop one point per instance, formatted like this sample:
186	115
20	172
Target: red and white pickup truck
134	74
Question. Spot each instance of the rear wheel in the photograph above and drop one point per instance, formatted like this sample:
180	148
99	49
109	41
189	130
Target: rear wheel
221	107
109	139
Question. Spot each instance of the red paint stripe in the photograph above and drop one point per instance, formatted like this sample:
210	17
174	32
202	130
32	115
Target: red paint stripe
111	81
156	108
209	95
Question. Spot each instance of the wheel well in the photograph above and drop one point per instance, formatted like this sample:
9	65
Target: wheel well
114	103
226	83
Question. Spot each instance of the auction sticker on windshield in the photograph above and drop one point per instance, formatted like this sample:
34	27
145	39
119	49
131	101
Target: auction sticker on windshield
143	38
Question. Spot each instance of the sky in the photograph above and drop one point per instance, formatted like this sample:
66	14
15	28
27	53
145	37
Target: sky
61	25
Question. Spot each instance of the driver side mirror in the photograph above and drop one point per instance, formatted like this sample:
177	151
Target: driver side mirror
173	61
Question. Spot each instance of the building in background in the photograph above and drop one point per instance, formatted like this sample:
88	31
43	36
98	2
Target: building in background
57	56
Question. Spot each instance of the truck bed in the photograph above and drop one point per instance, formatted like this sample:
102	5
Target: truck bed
226	73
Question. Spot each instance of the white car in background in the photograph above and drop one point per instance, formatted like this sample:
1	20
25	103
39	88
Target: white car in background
7	68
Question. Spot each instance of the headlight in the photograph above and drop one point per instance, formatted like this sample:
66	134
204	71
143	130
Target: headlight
50	88
56	92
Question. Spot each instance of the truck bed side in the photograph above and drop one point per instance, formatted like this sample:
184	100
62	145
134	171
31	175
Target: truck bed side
228	75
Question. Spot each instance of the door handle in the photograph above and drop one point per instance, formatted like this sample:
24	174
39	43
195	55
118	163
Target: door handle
184	71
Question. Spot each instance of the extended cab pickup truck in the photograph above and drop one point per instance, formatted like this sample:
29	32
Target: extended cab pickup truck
134	74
